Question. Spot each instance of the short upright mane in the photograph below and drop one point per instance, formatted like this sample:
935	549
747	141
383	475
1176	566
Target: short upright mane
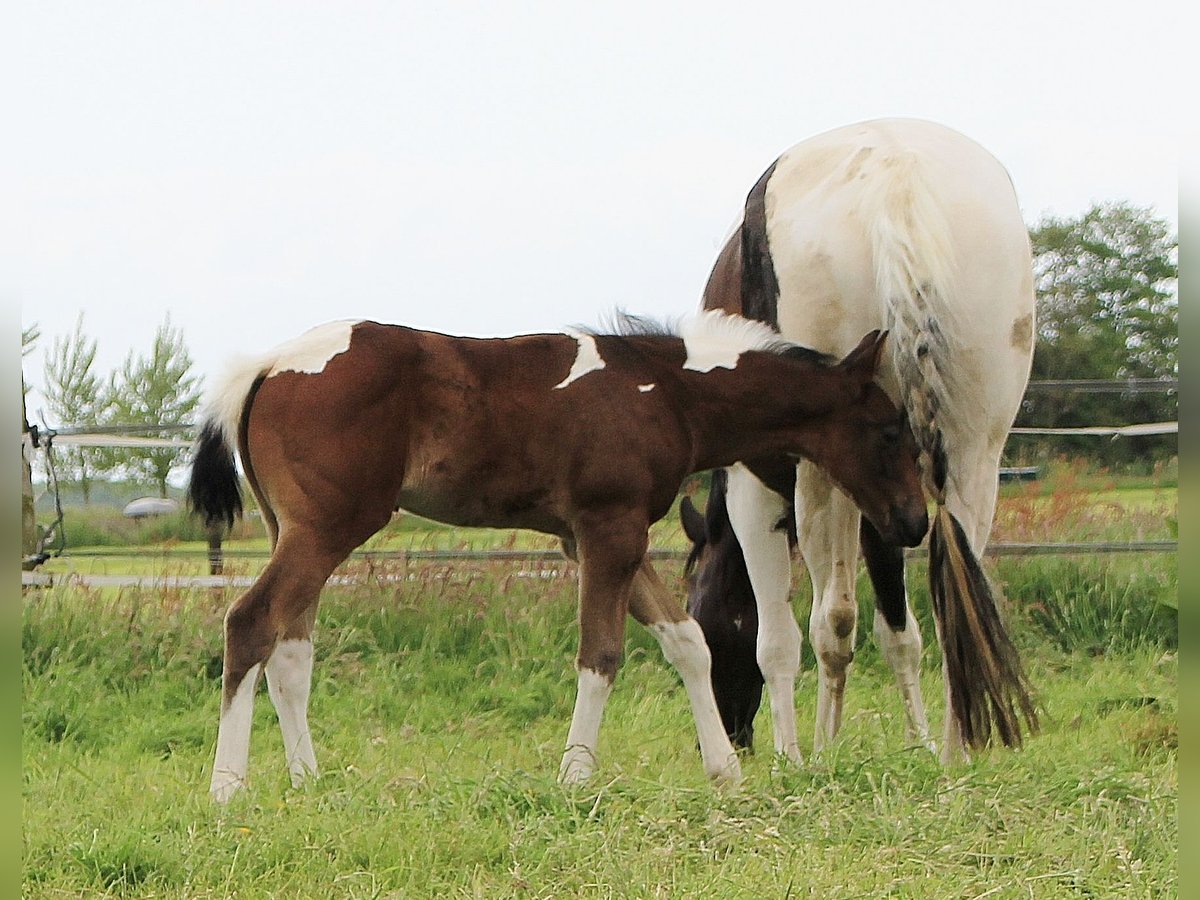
714	330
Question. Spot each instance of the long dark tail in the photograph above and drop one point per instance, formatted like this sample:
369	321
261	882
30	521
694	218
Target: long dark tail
214	491
988	688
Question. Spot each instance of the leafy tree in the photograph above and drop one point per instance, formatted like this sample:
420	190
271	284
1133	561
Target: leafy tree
29	339
155	390
75	397
1108	308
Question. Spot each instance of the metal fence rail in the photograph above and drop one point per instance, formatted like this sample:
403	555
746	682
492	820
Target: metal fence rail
1015	548
561	566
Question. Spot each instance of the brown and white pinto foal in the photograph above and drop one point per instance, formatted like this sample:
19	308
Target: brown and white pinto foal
584	436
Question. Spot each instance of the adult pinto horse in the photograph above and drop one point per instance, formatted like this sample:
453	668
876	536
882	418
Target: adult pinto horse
583	436
898	224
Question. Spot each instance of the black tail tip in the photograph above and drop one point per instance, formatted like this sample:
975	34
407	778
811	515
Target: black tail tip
989	691
214	492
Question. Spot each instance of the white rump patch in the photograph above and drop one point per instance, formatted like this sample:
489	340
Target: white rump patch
715	339
311	351
307	353
646	388
587	359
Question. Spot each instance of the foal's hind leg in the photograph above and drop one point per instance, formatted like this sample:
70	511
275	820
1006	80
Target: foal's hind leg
610	549
896	631
289	680
285	592
683	645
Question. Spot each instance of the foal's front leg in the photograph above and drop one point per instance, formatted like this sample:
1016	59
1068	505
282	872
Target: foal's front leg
609	552
683	645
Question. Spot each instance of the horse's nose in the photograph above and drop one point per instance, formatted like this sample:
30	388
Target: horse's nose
911	525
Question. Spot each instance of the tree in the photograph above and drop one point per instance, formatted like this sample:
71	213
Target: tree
29	337
74	395
1108	308
155	390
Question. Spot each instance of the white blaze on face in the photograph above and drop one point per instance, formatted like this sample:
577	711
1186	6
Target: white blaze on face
716	340
310	352
587	359
645	388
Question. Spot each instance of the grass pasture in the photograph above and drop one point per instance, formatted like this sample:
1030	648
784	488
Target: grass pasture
439	709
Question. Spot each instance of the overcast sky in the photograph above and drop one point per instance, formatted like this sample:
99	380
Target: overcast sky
256	168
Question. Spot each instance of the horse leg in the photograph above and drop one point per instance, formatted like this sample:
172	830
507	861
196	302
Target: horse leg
609	549
289	680
827	528
971	499
755	512
287	589
683	645
896	630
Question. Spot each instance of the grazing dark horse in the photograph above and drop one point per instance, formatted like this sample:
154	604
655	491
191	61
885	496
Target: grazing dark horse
583	436
910	226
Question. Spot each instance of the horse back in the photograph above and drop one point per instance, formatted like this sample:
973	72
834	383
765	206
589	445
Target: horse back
862	213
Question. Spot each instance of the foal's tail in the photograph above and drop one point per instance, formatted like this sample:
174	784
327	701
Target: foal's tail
214	490
911	243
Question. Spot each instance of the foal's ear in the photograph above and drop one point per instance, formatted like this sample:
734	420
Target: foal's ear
692	521
865	358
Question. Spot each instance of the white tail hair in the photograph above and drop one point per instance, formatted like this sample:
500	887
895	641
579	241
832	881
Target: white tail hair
914	278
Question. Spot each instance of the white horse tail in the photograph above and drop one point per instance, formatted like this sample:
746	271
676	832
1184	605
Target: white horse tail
911	246
915	276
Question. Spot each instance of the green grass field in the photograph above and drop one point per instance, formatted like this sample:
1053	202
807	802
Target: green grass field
440	707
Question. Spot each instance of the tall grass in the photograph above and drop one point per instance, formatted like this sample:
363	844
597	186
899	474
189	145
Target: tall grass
439	709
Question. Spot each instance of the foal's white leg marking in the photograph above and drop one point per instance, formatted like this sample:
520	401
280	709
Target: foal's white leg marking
902	651
684	647
289	678
754	511
579	759
233	740
587	359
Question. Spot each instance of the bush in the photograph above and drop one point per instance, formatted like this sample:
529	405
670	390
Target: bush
1097	607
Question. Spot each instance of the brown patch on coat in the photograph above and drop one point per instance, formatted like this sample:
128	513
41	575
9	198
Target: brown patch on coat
1021	336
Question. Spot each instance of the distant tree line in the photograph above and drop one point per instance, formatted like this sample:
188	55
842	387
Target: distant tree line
1108	309
150	389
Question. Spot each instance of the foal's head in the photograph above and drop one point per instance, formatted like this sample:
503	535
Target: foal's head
868	449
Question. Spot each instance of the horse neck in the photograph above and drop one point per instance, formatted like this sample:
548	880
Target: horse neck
768	406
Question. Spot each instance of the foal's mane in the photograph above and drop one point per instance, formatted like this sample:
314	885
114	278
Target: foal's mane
751	335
